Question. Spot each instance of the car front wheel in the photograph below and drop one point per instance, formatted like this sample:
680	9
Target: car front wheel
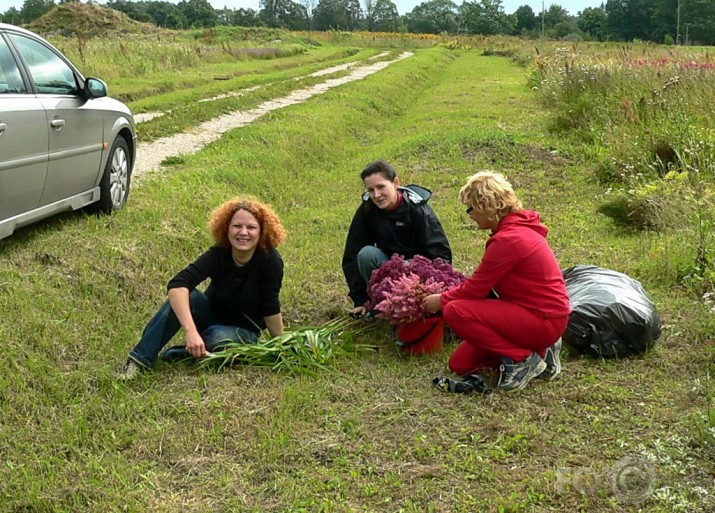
114	187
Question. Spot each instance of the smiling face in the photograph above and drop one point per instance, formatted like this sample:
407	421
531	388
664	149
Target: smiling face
383	192
244	230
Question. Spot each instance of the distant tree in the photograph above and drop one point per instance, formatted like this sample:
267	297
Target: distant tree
697	18
283	14
198	13
368	12
33	9
224	15
381	16
563	29
328	16
164	14
135	10
486	17
664	26
354	13
627	20
592	21
337	14
433	17
296	17
386	17
12	15
245	18
555	14
526	20
310	6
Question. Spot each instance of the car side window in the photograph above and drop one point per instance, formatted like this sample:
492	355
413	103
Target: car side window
10	78
50	74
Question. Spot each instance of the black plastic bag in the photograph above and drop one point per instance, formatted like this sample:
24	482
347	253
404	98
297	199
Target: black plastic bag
612	315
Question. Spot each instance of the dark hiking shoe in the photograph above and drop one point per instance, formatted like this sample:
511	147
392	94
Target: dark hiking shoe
552	358
472	383
130	371
515	376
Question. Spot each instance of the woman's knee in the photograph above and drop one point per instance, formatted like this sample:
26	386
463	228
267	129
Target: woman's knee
370	258
218	335
454	315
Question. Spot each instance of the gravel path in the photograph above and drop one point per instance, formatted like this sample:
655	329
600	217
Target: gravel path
151	155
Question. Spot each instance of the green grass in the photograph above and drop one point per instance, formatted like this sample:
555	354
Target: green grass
76	291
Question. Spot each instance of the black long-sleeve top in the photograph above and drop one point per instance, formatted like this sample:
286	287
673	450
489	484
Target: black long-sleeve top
239	296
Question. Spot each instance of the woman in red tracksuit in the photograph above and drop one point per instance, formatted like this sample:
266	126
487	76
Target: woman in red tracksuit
512	311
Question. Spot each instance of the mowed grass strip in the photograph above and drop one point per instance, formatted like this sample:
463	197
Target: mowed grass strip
76	292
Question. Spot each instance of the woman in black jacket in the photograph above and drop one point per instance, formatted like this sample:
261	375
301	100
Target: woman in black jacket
391	219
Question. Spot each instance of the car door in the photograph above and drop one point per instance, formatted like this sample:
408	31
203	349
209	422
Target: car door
75	133
23	140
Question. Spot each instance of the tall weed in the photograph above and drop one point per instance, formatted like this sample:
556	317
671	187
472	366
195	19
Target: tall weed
649	108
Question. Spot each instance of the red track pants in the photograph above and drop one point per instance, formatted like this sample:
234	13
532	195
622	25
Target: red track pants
492	328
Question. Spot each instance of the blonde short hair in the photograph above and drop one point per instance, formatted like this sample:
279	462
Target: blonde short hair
490	193
272	231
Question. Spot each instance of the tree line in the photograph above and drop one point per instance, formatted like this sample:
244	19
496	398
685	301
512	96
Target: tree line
660	21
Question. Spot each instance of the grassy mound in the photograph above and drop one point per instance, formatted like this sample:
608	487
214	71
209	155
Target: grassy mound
84	20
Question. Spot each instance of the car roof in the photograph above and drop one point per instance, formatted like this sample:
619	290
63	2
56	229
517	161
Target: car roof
16	28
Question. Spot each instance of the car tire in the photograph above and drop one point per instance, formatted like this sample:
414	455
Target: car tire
114	186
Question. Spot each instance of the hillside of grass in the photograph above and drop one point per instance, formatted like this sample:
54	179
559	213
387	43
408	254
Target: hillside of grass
75	19
77	290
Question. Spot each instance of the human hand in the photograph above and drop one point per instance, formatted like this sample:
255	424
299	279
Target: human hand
432	303
358	312
195	344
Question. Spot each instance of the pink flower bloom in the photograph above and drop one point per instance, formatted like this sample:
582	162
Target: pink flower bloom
398	287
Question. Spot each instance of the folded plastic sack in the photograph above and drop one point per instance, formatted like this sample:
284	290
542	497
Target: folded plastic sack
472	383
612	316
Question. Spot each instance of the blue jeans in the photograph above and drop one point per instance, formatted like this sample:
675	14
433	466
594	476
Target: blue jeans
370	258
164	325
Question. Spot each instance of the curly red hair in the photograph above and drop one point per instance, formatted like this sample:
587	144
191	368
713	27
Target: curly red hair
272	231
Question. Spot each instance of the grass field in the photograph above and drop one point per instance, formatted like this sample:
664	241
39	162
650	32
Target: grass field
76	291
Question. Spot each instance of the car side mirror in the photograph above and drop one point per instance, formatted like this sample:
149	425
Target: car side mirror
95	88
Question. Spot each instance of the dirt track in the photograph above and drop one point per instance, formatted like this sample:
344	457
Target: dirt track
151	155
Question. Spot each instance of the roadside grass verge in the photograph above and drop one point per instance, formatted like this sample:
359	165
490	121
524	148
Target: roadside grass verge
77	290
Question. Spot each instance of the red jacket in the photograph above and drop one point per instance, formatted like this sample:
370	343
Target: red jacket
520	266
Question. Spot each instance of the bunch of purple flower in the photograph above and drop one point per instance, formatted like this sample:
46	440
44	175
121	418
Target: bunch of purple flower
398	286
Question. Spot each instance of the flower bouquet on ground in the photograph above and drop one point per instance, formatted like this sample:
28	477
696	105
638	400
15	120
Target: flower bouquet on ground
397	289
299	350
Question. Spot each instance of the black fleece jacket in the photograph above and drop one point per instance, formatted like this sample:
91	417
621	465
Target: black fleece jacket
411	229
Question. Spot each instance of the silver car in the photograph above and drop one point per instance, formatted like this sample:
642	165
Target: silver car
64	144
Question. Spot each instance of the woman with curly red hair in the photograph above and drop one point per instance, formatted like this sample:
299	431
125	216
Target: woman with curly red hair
246	273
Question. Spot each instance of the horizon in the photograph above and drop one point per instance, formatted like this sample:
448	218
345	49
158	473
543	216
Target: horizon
403	6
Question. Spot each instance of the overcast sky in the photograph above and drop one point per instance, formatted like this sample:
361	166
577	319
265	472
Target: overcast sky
403	6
